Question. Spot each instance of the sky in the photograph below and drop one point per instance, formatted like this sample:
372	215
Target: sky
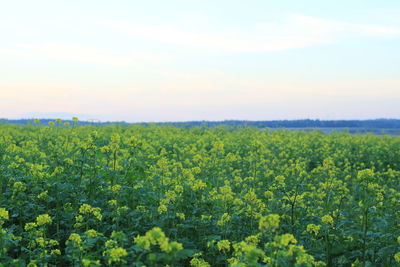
135	61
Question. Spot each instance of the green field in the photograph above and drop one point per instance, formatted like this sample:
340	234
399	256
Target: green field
165	196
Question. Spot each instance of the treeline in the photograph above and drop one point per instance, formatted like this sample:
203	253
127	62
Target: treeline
306	123
46	122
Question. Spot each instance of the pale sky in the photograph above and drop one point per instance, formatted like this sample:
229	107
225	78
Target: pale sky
136	60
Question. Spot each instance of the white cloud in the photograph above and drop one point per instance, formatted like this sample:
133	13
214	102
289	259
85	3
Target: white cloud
293	31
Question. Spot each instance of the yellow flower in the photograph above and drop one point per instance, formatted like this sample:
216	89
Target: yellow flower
142	242
253	239
19	238
327	219
164	245
285	239
224	246
199	262
122	209
79	218
180	215
225	218
43	195
198	185
30	226
43	219
115	188
90	263
269	222
110	243
206	217
162	208
41	242
53	242
75	238
155	235
280	179
226	193
313	229
19	186
85	208
55	252
97	214
268	194
178	189
113	202
68	161
237	202
91	233
141	208
4	214
397	257
115	254
305	260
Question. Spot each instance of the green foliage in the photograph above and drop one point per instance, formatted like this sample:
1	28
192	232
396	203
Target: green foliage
124	195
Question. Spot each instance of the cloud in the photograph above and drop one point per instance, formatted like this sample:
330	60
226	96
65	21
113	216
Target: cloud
294	31
81	53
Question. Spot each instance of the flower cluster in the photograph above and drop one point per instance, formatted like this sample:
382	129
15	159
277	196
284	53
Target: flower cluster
157	237
269	222
87	209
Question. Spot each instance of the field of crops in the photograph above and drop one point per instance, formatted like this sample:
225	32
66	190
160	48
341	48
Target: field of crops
163	196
